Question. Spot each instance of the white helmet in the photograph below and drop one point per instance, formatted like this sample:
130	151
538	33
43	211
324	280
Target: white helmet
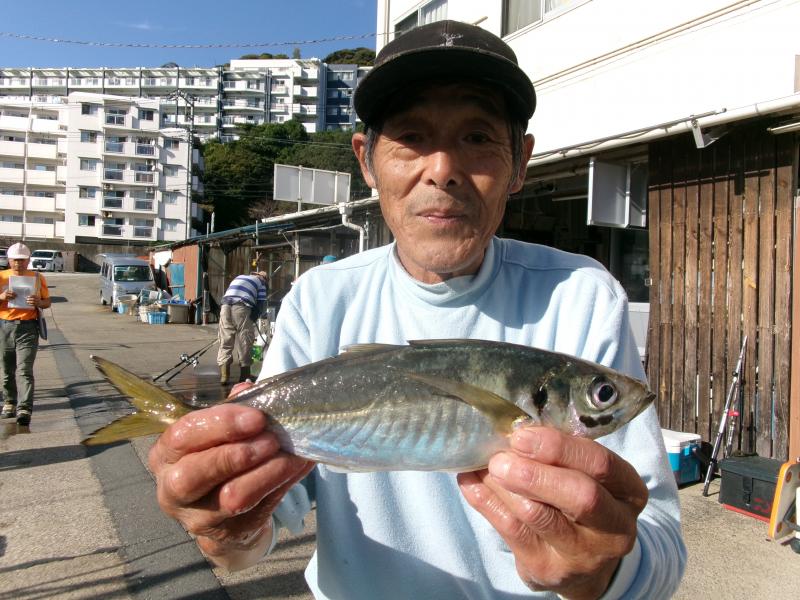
18	251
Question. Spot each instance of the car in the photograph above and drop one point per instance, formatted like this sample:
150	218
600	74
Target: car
121	275
47	260
3	257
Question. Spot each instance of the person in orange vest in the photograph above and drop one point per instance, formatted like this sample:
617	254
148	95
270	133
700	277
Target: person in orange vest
19	334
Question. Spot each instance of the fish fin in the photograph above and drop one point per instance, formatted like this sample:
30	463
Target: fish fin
145	396
497	408
125	428
368	348
342	469
156	407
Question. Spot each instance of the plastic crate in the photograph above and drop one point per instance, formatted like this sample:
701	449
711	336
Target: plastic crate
156	318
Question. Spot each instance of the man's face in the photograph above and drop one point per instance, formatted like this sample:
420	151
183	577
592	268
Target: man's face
443	168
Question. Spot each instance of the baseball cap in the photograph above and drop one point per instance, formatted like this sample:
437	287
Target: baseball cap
444	50
18	251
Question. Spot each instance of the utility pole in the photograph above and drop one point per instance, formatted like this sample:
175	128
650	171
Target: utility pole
188	101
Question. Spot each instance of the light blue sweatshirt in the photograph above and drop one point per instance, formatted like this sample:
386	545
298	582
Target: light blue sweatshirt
411	535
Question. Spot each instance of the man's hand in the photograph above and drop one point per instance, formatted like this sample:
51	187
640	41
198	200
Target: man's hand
220	474
566	507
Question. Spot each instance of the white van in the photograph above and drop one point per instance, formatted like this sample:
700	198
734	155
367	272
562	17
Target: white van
122	274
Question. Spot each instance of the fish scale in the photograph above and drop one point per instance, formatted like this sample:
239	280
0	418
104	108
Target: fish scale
443	405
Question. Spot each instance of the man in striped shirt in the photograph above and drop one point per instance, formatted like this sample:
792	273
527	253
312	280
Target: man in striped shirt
242	305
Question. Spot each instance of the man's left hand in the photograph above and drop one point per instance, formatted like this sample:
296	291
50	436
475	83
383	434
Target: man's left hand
566	507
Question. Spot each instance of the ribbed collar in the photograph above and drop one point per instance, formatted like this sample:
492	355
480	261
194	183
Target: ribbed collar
458	291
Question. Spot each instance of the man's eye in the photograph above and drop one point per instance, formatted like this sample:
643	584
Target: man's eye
410	137
477	137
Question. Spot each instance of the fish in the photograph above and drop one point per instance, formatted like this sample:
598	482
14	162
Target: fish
429	405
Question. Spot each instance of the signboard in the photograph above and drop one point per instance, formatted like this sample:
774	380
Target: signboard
310	186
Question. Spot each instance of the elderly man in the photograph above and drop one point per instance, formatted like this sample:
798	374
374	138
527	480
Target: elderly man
446	109
242	304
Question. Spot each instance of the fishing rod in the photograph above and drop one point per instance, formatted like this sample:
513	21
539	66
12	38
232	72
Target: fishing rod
185	360
727	423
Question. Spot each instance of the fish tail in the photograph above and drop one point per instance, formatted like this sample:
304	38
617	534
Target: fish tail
156	408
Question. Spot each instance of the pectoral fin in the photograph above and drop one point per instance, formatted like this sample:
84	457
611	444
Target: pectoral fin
501	411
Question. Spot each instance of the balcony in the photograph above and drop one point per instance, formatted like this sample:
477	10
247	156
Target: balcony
143	205
14	83
113	230
14	123
305	92
12	175
10	229
61	201
41	177
9	202
12	149
115	147
47	126
40	230
49	82
159	82
48	151
112	202
113	174
143	232
145	150
243	104
280	90
140	177
40	204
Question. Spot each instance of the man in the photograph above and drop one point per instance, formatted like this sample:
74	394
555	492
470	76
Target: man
242	304
446	109
19	333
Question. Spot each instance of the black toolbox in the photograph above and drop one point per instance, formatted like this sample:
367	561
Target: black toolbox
748	485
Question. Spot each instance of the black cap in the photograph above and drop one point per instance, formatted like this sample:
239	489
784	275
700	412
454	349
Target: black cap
444	50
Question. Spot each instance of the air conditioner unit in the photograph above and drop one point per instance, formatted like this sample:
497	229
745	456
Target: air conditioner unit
106	186
106	214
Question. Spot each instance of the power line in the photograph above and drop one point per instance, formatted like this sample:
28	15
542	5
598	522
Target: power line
38	38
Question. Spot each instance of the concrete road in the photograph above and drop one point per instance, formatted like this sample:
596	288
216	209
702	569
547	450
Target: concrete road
83	523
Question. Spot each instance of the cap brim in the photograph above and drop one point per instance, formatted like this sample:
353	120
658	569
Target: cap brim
443	64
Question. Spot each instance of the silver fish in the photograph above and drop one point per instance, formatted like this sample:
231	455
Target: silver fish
432	405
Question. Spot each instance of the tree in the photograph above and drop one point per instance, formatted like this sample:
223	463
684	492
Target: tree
238	176
296	53
351	56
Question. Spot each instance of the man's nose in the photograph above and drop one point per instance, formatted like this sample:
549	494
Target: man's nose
443	169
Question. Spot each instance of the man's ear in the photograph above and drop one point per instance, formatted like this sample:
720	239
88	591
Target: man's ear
359	143
527	151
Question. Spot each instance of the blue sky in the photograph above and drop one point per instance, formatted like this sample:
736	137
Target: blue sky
161	22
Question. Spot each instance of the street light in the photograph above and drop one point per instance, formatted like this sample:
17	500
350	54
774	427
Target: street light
189	101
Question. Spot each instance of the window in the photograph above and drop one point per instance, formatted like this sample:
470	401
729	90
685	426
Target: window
10	192
170	170
42	220
145	115
170	197
86	220
88	109
44	168
115	116
11	218
171	144
88	164
429	13
87	192
11	165
169	224
521	13
43	194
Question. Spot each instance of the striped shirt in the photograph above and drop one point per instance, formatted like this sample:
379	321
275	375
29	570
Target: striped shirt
246	289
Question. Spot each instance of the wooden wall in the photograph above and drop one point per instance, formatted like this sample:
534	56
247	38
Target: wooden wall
720	223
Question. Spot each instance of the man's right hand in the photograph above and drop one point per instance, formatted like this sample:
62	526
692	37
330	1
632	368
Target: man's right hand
221	474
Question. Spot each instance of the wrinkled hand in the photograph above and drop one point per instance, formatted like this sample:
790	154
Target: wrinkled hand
220	474
566	507
32	300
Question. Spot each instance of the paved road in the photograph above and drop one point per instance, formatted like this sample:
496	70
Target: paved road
83	523
78	524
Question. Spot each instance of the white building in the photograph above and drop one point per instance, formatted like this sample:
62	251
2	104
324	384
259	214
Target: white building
667	148
95	168
245	92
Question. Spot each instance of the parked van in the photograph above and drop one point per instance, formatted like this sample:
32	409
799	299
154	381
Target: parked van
122	274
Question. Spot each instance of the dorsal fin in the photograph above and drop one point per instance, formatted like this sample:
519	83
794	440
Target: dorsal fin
368	348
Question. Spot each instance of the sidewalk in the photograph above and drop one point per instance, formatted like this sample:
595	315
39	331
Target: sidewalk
79	523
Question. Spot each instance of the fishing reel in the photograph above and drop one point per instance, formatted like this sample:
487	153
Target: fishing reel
189	360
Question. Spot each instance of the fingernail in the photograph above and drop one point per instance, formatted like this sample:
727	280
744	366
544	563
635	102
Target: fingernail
500	465
526	440
263	448
249	422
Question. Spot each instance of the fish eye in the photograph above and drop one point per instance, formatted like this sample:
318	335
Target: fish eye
602	393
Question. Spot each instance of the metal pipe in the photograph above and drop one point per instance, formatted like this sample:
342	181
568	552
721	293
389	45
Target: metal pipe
346	210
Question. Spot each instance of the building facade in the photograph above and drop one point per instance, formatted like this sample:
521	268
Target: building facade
94	168
667	148
219	98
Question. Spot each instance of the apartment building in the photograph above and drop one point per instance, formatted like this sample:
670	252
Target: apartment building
94	168
212	100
